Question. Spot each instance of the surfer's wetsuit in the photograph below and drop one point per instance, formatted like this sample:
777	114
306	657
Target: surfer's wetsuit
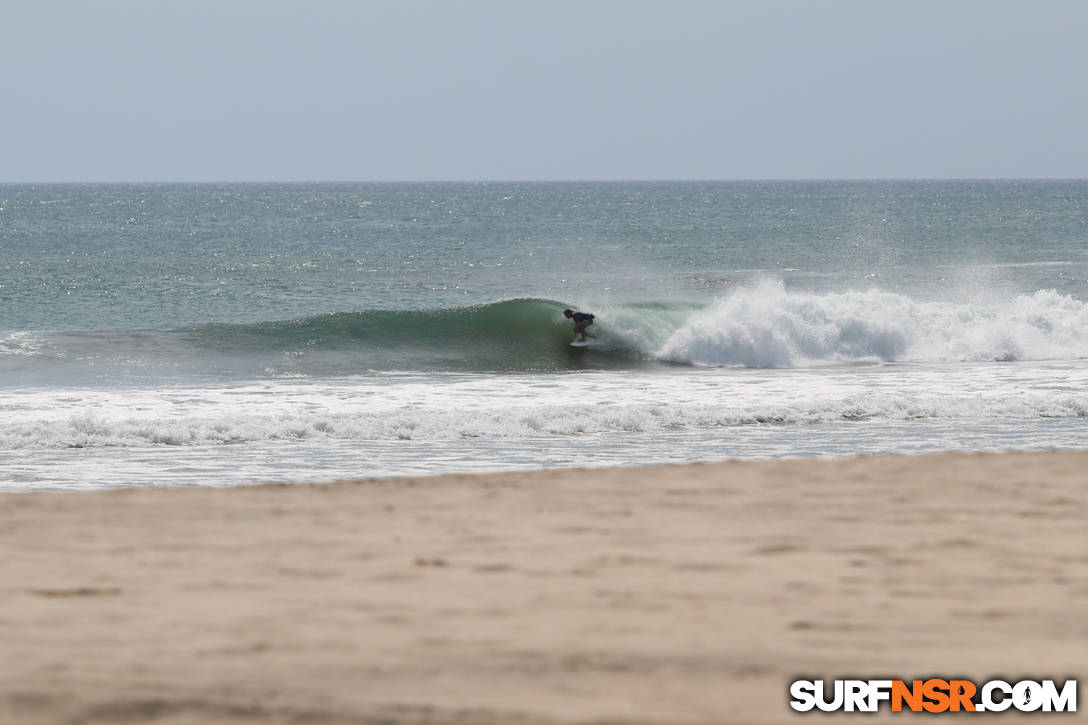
582	320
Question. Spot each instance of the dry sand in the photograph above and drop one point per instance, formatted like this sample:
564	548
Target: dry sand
662	595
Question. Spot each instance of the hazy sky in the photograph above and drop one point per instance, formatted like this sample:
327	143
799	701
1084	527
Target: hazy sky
256	90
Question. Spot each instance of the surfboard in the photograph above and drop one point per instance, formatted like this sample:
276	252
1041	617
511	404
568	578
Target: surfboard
581	343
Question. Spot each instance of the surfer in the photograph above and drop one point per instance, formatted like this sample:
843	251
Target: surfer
582	320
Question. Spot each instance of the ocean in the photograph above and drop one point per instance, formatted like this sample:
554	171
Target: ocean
220	334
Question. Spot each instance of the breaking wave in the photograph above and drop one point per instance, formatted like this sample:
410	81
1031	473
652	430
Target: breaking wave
759	326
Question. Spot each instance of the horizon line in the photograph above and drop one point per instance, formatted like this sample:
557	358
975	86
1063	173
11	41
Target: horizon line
551	181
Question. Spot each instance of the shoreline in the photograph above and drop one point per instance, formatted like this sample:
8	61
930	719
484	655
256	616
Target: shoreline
662	594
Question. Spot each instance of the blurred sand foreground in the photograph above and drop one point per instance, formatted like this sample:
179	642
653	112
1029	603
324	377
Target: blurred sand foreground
681	594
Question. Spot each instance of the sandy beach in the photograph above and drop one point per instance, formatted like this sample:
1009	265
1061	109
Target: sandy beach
686	594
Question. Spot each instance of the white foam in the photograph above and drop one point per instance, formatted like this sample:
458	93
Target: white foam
19	343
112	430
766	326
461	407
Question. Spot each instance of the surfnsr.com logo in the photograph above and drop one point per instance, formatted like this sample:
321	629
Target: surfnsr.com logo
934	695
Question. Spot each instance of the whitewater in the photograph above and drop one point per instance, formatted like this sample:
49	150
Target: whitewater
216	335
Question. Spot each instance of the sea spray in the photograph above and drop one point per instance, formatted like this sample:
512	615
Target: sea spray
764	325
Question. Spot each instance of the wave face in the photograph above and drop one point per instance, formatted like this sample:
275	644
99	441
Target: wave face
521	334
758	326
528	335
